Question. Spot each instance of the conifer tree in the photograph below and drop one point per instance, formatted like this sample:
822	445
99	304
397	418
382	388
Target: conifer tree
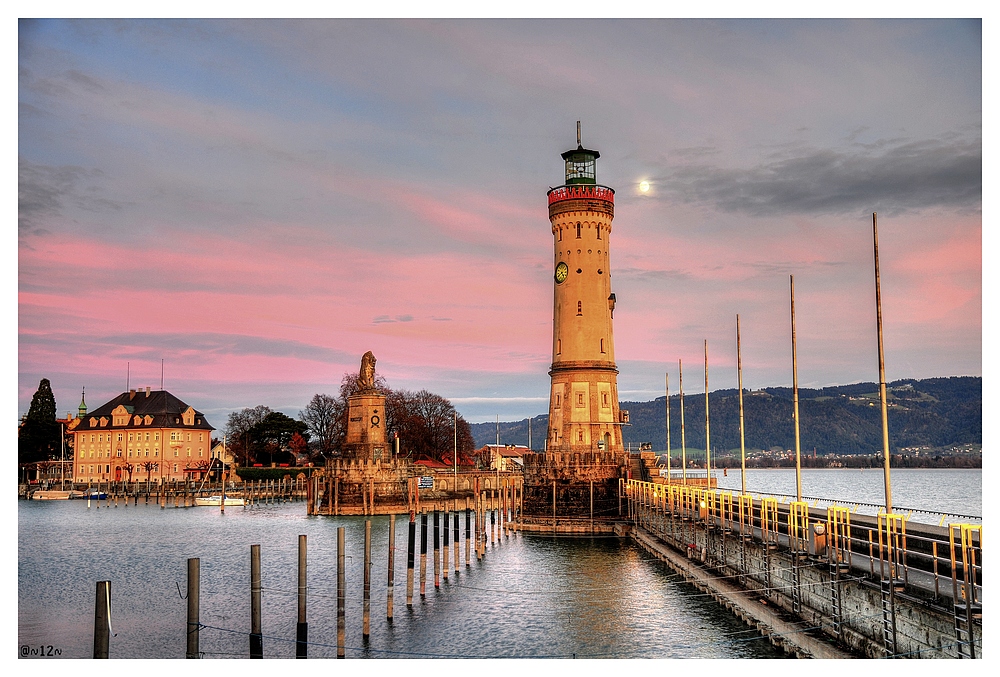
38	438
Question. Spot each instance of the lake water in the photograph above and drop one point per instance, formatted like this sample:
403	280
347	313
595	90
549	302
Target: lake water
956	491
530	596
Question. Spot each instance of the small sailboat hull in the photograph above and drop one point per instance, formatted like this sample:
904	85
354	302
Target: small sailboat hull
217	500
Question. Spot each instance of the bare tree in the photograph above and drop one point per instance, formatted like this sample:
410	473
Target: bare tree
323	415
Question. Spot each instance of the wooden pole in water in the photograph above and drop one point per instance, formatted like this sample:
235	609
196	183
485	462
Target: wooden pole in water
468	527
391	567
795	397
455	534
410	546
302	627
680	386
739	378
256	638
341	593
423	554
437	549
444	544
881	374
367	593
102	622
193	594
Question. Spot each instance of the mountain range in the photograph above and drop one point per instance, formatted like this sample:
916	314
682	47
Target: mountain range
936	413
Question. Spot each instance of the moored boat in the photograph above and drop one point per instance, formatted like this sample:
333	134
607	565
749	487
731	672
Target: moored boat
216	500
55	495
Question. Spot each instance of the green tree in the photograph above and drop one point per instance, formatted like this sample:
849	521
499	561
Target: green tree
238	427
270	438
38	437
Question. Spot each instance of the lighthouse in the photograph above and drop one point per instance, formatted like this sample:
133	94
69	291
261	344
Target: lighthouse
583	400
574	485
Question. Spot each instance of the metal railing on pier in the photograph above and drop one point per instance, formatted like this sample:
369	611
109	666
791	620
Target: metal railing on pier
899	556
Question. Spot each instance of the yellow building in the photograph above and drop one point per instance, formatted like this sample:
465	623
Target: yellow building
141	435
583	402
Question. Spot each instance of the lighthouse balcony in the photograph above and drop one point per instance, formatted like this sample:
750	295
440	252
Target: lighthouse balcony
581	192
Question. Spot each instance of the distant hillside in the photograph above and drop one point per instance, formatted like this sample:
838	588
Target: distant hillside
936	412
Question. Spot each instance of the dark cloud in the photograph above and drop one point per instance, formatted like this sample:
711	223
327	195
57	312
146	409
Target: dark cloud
44	191
200	347
891	177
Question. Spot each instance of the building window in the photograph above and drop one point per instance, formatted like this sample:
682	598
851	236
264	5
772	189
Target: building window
558	399
560	234
598	233
579	308
175	467
119	437
156	437
605	399
579	436
201	437
602	345
177	453
558	346
579	399
578	230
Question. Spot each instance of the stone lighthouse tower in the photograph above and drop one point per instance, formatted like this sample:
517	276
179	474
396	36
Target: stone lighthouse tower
574	484
583	401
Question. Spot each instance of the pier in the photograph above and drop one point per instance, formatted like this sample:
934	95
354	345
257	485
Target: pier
877	587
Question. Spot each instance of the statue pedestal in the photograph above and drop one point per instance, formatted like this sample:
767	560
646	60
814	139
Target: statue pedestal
365	439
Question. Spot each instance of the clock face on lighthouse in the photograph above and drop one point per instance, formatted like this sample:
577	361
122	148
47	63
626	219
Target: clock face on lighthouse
562	271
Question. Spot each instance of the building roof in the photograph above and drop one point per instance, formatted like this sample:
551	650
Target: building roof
508	450
165	410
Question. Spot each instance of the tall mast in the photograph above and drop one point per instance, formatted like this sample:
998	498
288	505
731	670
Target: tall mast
881	374
667	407
739	378
684	464
795	399
708	443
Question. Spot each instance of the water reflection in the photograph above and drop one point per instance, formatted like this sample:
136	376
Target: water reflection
529	597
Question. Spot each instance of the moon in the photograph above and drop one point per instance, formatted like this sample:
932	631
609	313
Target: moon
644	186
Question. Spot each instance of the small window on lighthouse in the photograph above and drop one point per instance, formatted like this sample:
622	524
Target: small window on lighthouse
579	308
578	234
560	234
598	232
602	345
558	349
579	436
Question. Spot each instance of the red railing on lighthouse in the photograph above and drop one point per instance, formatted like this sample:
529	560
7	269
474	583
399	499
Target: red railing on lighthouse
581	192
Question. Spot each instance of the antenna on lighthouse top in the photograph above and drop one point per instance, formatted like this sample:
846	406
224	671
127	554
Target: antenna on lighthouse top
578	142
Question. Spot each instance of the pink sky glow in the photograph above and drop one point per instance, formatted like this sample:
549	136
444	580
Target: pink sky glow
258	203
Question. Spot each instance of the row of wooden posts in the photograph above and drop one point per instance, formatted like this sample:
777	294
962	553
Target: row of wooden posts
476	533
183	495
